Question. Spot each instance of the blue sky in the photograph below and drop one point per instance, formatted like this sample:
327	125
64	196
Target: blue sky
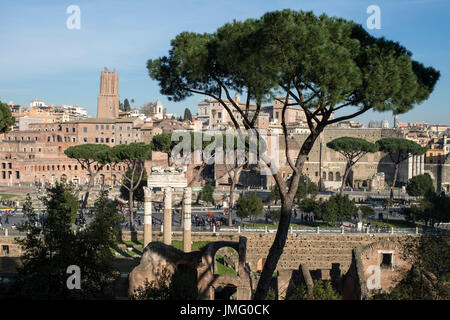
41	58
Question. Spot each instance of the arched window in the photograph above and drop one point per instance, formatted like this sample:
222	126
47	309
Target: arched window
324	176
330	176
338	176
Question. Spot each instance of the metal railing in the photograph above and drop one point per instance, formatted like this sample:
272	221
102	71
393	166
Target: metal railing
4	232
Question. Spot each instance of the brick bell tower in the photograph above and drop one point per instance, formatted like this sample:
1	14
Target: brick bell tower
108	98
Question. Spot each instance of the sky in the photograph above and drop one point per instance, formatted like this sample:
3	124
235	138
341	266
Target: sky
40	57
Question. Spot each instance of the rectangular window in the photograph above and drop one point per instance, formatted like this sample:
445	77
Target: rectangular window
5	250
101	139
96	127
107	140
102	127
387	260
107	127
96	139
84	129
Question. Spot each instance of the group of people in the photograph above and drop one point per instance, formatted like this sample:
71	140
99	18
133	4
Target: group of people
305	217
7	203
211	221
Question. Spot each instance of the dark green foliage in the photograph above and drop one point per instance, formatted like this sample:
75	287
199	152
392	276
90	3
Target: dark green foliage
333	56
420	186
309	205
89	153
305	187
352	147
336	208
434	208
50	249
275	193
62	204
249	206
207	194
400	149
367	211
274	215
6	118
271	295
167	286
126	105
162	143
322	290
187	115
129	153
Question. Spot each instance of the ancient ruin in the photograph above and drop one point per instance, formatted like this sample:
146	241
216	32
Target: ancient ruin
197	264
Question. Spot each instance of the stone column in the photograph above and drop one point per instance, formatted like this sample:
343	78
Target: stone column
416	163
422	164
187	199
147	216
167	233
409	167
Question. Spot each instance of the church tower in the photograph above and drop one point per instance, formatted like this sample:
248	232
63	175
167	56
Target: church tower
108	98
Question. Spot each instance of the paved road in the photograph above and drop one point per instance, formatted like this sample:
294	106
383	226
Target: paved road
17	217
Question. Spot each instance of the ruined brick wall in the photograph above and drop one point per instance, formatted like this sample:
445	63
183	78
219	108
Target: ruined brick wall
9	247
316	251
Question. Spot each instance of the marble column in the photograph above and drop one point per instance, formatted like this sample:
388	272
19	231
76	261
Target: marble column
422	164
187	199
416	164
147	216
167	233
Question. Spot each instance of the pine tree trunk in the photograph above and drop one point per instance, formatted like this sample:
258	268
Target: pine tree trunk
344	179
130	207
285	218
275	251
394	181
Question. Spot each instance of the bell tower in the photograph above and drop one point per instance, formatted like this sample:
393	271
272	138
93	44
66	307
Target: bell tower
108	98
